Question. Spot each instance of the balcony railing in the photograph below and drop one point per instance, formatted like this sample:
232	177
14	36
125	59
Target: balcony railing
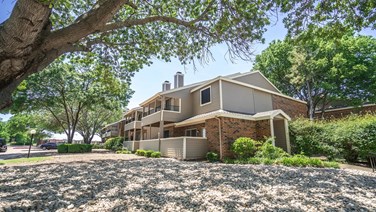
172	107
154	110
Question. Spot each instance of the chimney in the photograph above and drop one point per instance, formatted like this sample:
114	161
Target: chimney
178	80
166	86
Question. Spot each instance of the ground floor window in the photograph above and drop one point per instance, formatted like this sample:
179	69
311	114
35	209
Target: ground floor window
166	134
191	132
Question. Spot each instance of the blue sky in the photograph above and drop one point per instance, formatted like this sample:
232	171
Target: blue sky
149	80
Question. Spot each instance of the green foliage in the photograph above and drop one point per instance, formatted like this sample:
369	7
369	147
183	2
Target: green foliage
74	148
269	151
98	146
303	161
155	155
114	144
212	157
319	69
140	152
148	153
244	147
123	151
62	148
350	138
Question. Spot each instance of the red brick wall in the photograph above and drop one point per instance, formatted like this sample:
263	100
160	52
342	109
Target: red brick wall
345	112
233	129
262	129
292	108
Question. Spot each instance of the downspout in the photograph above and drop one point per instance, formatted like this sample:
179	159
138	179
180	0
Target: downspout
220	137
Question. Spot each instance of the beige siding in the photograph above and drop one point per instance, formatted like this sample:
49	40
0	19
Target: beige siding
172	116
215	100
149	145
132	145
150	119
172	148
237	98
280	134
196	148
263	101
258	80
186	103
133	125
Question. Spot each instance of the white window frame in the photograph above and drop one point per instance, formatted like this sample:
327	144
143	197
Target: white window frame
210	96
190	129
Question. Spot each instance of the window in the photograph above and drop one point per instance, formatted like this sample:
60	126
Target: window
191	132
166	134
205	96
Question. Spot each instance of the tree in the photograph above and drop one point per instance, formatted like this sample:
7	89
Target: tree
70	89
320	70
18	126
93	120
128	34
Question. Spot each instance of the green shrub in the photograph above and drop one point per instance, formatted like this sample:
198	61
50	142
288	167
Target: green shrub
303	161
350	138
244	147
269	151
74	148
148	153
62	148
156	155
124	151
255	160
114	144
212	156
98	146
330	164
140	152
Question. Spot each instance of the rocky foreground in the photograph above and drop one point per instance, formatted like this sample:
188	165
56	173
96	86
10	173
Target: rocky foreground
170	185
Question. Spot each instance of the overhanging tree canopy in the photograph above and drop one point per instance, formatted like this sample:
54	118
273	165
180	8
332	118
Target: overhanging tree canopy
129	33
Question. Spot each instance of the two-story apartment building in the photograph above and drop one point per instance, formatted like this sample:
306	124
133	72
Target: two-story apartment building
189	120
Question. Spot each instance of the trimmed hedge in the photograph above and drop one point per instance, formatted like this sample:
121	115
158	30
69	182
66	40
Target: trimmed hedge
74	148
148	153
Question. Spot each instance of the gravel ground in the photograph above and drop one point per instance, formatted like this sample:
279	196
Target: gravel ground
101	184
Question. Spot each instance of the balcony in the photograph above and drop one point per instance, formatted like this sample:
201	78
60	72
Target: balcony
132	125
175	108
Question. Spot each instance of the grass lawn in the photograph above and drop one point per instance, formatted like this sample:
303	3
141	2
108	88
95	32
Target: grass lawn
24	160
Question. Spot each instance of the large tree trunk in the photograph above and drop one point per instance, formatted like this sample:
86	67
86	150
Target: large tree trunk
27	44
20	39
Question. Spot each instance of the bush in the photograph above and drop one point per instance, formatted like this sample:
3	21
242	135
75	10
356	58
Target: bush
244	148
212	156
114	144
255	160
148	153
269	151
140	152
124	151
74	148
156	155
303	161
350	138
62	148
98	146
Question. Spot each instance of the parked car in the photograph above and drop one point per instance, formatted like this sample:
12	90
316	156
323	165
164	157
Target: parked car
49	146
3	146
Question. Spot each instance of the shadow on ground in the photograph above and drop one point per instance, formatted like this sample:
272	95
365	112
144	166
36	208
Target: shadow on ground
166	184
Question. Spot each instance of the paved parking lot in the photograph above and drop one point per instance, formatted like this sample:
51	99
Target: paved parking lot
21	151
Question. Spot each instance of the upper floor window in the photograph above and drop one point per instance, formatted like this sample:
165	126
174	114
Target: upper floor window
205	95
191	132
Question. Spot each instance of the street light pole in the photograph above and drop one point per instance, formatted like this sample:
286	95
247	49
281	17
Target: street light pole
32	132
